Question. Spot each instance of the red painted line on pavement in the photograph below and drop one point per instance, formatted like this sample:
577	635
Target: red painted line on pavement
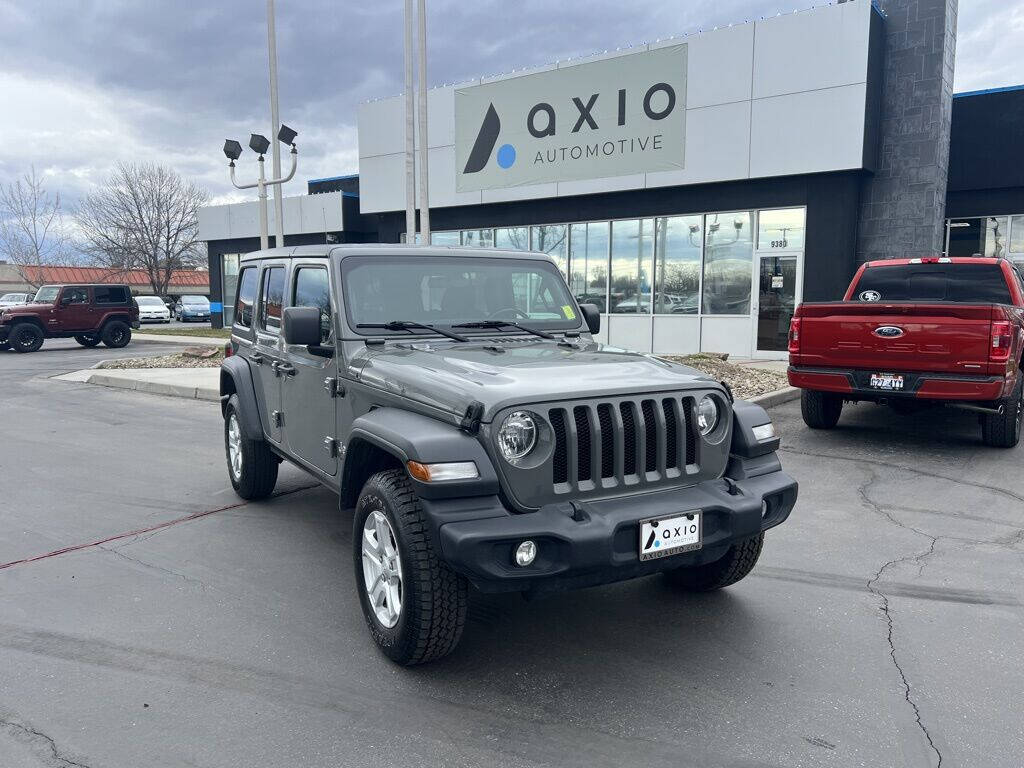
139	531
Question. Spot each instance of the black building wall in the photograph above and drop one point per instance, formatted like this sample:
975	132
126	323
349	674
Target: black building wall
986	154
831	200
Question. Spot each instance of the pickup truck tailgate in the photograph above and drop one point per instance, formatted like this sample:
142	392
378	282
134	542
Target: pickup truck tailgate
941	337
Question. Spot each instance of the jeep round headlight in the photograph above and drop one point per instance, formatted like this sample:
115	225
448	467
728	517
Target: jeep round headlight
707	414
517	435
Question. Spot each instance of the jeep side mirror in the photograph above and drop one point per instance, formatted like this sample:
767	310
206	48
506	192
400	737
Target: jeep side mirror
302	326
592	315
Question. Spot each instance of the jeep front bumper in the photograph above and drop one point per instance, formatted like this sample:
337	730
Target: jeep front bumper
597	542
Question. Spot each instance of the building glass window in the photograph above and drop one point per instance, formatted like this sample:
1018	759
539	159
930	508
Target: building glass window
228	285
588	263
478	238
728	261
444	238
997	236
1017	235
552	239
781	230
512	238
678	244
632	266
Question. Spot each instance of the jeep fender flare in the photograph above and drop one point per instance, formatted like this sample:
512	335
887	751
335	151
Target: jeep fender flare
236	379
409	436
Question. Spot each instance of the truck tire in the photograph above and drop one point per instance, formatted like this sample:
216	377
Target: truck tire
88	340
820	410
5	345
1003	430
252	466
418	608
26	337
116	334
737	562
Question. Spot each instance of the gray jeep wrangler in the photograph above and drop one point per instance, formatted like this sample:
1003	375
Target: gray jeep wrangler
457	400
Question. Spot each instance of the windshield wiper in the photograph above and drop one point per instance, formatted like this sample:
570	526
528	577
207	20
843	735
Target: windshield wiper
408	325
496	324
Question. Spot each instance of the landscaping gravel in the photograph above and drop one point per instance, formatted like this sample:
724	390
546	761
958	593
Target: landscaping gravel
166	361
746	381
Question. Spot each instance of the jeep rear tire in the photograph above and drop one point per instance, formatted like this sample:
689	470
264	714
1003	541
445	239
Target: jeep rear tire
88	340
116	334
26	337
252	466
738	561
821	410
1003	430
5	345
413	603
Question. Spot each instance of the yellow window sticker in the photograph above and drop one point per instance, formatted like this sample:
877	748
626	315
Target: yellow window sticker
568	312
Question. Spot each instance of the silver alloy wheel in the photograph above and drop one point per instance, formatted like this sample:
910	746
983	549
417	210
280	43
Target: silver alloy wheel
382	569
234	447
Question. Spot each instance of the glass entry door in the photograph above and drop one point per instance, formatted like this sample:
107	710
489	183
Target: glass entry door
777	281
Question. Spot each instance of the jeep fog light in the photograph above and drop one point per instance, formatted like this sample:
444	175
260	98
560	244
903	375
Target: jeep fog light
764	432
517	435
707	415
526	553
433	473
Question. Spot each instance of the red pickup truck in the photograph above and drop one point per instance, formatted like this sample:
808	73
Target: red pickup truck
916	332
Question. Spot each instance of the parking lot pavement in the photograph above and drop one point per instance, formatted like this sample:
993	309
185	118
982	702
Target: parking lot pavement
881	628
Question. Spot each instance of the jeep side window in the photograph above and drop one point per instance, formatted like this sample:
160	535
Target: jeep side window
76	295
110	294
312	289
271	300
246	297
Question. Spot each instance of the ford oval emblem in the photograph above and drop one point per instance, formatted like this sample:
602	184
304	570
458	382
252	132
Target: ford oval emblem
870	296
889	332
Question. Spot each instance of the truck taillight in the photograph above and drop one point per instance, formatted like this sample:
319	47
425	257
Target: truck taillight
228	350
794	336
999	349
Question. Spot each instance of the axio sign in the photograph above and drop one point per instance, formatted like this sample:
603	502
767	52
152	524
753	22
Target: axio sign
612	117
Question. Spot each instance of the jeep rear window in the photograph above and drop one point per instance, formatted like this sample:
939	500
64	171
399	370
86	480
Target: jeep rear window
960	283
445	290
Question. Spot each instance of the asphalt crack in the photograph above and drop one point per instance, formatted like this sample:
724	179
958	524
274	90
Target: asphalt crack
920	559
36	738
117	551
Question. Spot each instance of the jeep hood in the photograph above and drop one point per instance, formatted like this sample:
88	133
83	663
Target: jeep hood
511	371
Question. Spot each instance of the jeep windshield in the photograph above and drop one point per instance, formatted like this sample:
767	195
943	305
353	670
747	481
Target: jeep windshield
455	290
47	294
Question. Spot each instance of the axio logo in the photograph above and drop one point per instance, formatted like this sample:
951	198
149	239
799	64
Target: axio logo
669	534
542	122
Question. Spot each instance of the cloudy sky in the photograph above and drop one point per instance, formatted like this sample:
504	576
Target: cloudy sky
85	83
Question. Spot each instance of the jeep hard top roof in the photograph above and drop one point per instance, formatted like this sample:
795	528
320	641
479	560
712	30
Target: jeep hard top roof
393	249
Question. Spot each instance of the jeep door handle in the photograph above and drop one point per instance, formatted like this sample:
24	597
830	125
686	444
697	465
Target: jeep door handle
257	358
286	368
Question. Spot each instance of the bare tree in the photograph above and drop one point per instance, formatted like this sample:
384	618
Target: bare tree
144	217
30	228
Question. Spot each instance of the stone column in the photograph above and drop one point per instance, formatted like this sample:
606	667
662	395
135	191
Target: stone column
902	208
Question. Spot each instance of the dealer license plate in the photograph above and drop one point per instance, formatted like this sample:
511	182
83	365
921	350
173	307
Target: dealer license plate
663	536
886	381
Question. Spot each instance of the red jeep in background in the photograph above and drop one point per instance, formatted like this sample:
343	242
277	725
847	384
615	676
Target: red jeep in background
88	313
914	332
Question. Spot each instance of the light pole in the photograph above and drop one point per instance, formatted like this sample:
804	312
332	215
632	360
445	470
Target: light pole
424	144
410	130
260	144
275	122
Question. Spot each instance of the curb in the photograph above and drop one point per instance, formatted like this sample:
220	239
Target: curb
778	397
193	341
155	388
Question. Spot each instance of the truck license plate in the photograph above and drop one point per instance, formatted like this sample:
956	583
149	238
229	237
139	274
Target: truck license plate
886	381
670	535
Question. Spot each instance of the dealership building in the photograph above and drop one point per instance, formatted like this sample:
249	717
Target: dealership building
695	188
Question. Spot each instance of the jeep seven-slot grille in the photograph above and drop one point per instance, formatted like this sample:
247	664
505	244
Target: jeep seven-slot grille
606	444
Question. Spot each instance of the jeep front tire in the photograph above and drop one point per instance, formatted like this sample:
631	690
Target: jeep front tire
26	337
252	466
738	561
116	334
413	603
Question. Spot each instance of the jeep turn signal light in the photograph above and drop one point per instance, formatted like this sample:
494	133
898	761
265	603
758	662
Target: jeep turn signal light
433	473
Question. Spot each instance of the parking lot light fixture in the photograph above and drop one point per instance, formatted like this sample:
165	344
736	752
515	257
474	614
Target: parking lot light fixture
286	135
259	144
232	149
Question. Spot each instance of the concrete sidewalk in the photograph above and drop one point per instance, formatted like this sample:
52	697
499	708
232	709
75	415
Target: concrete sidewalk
191	383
